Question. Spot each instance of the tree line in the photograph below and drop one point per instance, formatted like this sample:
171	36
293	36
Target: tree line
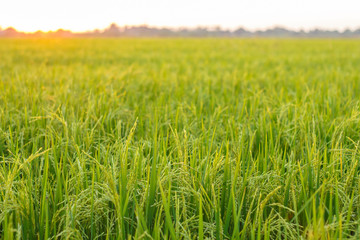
147	31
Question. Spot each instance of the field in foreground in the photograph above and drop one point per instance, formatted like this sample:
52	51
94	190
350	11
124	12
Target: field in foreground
179	139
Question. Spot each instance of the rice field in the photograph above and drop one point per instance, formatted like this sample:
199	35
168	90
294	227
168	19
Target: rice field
179	139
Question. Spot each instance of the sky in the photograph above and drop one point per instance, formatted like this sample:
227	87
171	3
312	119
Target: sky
83	15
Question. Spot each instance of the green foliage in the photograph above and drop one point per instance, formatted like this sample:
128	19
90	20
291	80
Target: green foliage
179	139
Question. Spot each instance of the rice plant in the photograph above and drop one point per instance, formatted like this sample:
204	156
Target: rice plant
179	139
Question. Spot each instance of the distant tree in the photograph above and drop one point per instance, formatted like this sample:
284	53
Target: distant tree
112	31
39	34
62	33
240	32
11	32
357	32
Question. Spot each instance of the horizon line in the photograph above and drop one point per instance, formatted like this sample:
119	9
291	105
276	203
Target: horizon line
177	28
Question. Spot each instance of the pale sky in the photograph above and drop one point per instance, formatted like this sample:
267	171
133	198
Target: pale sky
82	15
